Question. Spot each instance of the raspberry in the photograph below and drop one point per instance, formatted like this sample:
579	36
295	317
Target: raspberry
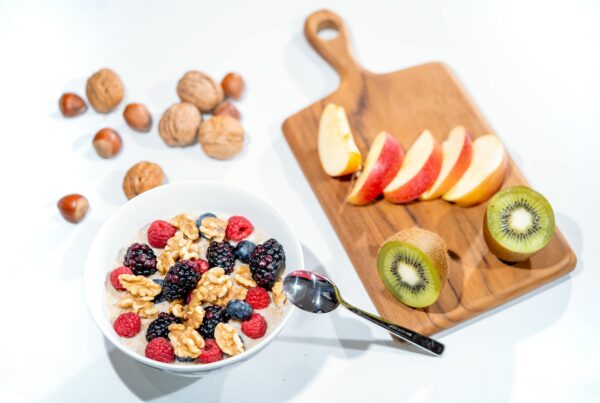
159	233
114	277
141	259
266	263
238	228
181	278
211	352
220	254
258	298
255	327
202	266
159	327
127	324
160	349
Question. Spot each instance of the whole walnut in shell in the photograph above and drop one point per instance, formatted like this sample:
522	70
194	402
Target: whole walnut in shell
104	90
201	90
222	137
179	125
141	177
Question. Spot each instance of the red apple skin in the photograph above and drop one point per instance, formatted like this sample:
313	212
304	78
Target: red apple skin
384	170
421	181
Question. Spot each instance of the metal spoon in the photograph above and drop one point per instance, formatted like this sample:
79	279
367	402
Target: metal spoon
315	293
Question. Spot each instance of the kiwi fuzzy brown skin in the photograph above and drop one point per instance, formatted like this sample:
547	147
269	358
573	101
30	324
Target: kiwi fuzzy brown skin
431	244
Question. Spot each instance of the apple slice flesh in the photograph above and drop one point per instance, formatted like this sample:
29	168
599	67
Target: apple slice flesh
419	170
457	151
338	152
383	162
485	174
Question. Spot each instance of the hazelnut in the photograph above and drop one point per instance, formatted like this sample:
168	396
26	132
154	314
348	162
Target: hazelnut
138	117
104	90
71	105
107	143
227	108
73	207
233	85
199	89
222	137
141	177
179	125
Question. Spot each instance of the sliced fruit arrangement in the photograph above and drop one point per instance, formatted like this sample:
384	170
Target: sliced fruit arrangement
338	152
485	174
457	151
518	223
413	266
382	164
419	170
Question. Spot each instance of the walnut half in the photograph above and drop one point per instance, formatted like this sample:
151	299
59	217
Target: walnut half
228	339
186	341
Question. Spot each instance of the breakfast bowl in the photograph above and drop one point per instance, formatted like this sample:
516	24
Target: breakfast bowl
163	203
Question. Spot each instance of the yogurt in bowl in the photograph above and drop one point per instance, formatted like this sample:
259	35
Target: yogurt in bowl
129	225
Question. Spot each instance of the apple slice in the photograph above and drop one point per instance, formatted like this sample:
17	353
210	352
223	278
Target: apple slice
382	164
485	174
338	152
418	172
457	151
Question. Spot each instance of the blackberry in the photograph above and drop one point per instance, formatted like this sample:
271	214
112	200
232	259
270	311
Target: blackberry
141	259
213	315
159	327
220	254
243	251
266	263
181	278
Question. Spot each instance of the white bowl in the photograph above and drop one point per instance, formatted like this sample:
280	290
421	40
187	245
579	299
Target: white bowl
164	202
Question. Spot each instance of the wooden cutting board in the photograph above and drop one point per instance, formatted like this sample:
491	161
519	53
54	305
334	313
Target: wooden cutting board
405	103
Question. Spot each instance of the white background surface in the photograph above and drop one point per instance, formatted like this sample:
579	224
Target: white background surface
532	67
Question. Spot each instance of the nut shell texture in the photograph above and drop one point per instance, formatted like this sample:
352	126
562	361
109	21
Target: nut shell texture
141	177
104	90
201	90
179	125
222	137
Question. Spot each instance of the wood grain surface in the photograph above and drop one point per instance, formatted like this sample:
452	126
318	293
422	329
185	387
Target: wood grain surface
405	103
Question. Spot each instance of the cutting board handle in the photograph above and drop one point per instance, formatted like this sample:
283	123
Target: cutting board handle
336	51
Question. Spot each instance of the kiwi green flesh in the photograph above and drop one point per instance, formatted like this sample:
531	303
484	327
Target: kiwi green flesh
409	274
520	219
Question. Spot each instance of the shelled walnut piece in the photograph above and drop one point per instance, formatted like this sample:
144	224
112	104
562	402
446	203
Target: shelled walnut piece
186	341
186	225
228	339
193	314
213	228
278	294
178	126
213	285
141	177
164	262
222	137
201	90
243	276
179	247
139	286
143	306
176	308
104	90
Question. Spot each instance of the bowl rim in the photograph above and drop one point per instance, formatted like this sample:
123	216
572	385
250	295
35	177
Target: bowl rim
170	367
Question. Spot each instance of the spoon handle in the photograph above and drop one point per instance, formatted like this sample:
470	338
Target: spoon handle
434	347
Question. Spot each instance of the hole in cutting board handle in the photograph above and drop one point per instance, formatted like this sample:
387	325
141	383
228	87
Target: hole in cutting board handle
327	30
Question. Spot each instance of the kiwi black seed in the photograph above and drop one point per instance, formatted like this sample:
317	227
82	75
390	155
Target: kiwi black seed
413	266
518	222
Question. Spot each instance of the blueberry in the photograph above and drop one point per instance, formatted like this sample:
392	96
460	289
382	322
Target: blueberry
243	251
239	309
160	297
202	217
184	359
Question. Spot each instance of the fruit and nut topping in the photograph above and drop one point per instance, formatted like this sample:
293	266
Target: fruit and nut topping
187	288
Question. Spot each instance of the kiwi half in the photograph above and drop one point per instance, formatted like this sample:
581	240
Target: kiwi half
518	222
413	265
